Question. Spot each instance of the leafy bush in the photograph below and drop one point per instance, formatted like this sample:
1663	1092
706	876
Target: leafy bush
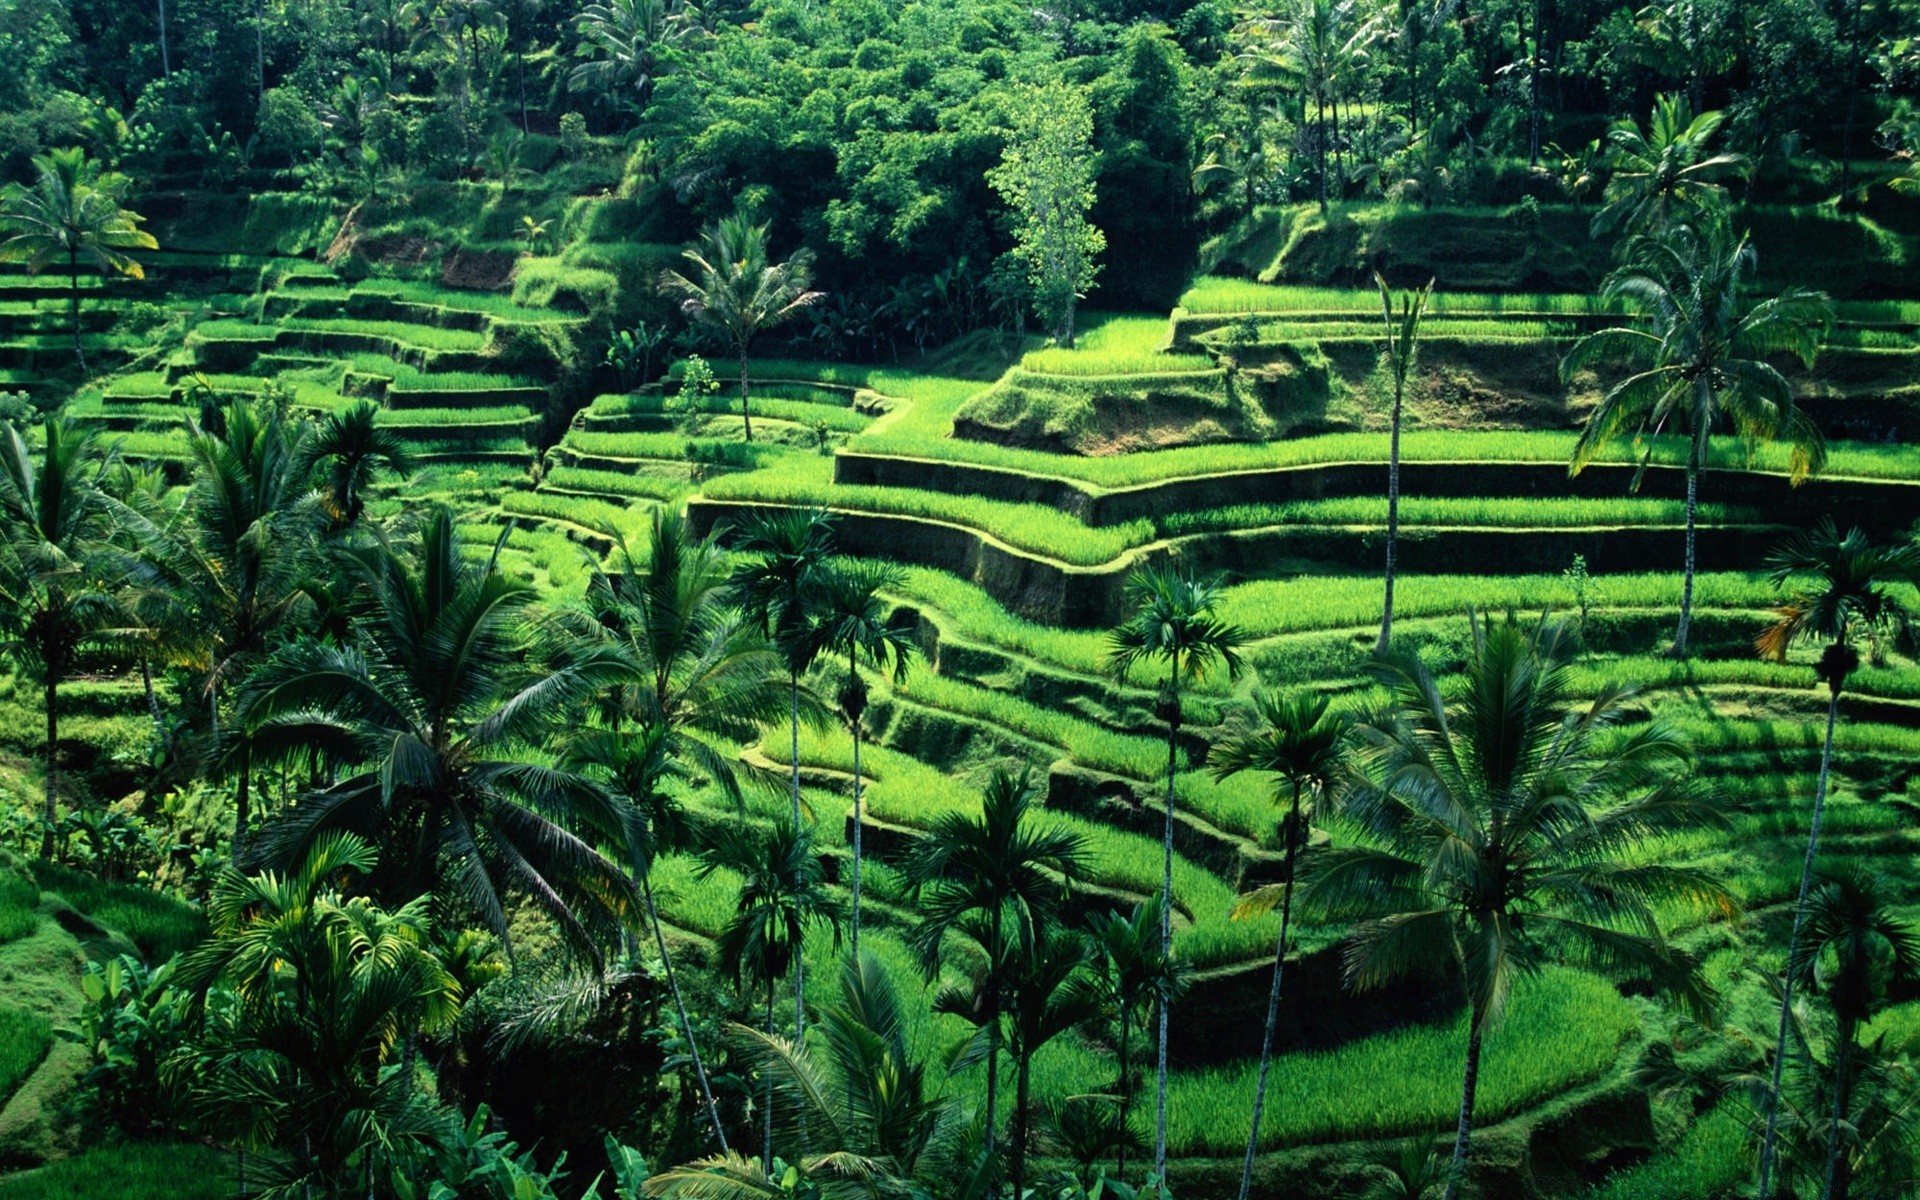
551	283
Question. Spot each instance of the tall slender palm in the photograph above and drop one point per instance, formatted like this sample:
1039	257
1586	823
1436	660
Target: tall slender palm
854	621
422	720
1402	341
1048	992
1697	356
350	450
739	290
54	528
1861	955
635	768
1135	978
72	213
1173	623
786	556
1298	744
1500	832
1663	173
783	894
1851	590
986	869
857	1100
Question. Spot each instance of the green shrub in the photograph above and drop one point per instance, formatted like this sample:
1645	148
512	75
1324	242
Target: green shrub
1707	1161
24	1040
551	283
19	907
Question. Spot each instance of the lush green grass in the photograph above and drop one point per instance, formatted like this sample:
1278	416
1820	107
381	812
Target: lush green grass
424	337
136	1171
617	483
1220	294
1708	1161
158	924
24	1040
493	304
1474	511
584	511
1562	1029
19	906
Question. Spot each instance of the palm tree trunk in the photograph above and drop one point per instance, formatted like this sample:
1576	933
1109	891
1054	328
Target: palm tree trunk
1836	1186
680	1005
242	804
855	941
1126	1095
153	702
1679	649
746	413
166	63
993	1035
1533	93
1468	1087
1393	513
766	1111
1273	1001
1320	144
73	302
1166	930
1853	100
1022	1089
1793	946
52	814
793	676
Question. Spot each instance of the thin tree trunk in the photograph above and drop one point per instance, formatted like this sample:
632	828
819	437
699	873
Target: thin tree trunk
793	675
1339	160
746	414
680	1005
1679	648
1836	1187
52	814
1533	92
993	1034
1468	1087
1793	947
1853	100
153	702
1022	1088
166	63
1126	1095
242	804
1273	998
1320	144
1393	505
1166	932
855	942
73	301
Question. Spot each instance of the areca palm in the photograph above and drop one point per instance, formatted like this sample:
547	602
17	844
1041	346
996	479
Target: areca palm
635	768
971	874
350	450
737	290
779	582
783	894
1173	623
1135	978
1852	590
1298	744
430	720
1402	342
1663	174
54	528
1500	832
854	621
1695	356
1048	991
72	213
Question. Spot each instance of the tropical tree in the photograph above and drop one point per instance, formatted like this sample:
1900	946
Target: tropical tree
72	213
622	43
304	998
857	1099
1048	992
1046	175
55	523
635	768
778	580
971	875
1663	174
1861	955
1172	623
1696	356
783	894
420	722
350	450
1849	588
1402	341
1134	977
738	291
1499	833
854	621
1298	744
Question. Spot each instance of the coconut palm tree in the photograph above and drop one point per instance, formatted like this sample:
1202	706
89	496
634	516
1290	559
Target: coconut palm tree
1663	174
350	450
1860	954
779	580
783	894
324	990
622	40
1135	978
971	874
1403	337
55	524
1298	744
1696	356
1499	833
420	721
1172	622
738	291
635	767
854	621
1048	991
72	213
1851	591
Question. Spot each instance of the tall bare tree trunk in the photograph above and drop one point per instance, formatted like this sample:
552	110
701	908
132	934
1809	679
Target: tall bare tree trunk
746	414
1393	514
1166	927
166	63
1679	648
1469	1086
1273	996
680	1005
52	815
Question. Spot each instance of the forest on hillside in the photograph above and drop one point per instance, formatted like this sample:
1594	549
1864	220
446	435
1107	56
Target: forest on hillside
962	600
